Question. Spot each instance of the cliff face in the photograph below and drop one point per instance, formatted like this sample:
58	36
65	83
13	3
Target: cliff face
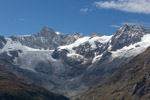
131	82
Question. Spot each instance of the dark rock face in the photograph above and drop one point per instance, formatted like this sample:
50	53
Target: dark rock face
60	54
87	51
75	64
2	42
84	50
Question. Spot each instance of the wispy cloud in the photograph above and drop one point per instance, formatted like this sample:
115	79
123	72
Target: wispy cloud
20	19
115	26
135	6
84	10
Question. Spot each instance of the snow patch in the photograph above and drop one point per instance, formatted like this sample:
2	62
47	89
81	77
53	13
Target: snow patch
15	45
28	68
133	49
96	58
58	33
26	35
74	55
102	39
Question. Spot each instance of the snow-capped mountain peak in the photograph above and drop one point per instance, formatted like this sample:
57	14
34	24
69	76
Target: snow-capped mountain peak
46	32
128	35
136	30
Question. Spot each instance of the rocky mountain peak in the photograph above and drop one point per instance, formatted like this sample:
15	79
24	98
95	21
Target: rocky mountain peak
132	29
128	35
46	31
46	28
95	34
2	41
126	26
124	29
76	35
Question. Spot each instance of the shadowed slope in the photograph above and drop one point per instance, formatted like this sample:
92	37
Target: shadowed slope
13	88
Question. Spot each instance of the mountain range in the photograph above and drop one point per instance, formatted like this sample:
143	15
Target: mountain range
72	64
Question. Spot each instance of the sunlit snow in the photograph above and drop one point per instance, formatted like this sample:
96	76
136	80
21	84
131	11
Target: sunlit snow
134	49
84	40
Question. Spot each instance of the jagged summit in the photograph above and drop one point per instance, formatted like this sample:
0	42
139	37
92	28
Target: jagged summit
2	41
47	38
46	31
127	28
127	35
95	34
76	35
46	28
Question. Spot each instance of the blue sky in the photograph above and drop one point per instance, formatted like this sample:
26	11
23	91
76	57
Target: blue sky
23	17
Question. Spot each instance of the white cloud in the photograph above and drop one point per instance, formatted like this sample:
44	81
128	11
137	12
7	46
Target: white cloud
135	6
84	11
115	26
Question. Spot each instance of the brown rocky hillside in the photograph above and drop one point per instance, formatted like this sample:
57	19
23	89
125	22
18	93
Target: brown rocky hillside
131	82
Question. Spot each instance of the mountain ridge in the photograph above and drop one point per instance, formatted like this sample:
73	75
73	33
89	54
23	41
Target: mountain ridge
71	68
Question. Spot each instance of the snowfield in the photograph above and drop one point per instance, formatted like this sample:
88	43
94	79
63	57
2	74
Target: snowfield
134	49
84	40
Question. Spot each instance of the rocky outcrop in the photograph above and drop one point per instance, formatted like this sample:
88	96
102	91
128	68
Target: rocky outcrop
2	42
